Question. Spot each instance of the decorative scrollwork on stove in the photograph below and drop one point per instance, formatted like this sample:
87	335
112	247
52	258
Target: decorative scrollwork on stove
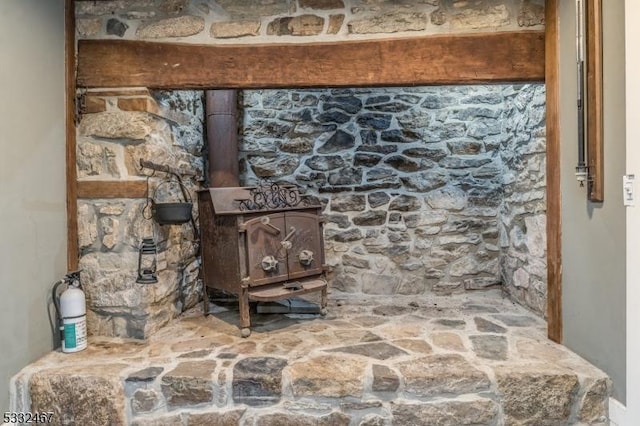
269	195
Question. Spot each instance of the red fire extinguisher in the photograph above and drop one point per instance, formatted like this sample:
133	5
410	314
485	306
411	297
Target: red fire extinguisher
72	313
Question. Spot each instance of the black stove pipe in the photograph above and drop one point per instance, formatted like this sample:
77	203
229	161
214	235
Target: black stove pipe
222	138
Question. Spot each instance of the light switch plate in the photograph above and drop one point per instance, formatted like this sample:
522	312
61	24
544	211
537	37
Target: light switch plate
628	190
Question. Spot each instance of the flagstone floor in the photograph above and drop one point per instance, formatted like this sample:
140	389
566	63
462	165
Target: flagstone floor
470	359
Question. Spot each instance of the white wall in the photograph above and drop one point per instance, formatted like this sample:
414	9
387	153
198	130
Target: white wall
632	17
32	178
593	234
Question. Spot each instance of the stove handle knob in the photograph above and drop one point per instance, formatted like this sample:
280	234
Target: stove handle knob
267	222
306	257
286	244
269	263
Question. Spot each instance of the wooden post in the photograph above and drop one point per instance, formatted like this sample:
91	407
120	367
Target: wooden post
222	137
595	120
70	130
554	237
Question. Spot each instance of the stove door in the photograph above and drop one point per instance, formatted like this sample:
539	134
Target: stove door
266	254
305	253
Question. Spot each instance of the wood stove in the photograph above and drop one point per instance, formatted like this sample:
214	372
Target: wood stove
261	243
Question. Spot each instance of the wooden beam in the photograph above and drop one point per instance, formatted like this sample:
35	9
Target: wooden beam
440	59
73	251
112	189
554	231
595	126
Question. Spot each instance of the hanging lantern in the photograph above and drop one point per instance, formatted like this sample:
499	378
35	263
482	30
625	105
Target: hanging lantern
147	262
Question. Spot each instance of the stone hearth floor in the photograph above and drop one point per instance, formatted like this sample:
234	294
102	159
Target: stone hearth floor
471	359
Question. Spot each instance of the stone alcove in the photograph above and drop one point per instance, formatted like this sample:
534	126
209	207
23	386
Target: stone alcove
427	190
364	244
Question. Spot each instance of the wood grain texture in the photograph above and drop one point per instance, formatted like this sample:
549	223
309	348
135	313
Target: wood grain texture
112	189
440	59
73	251
595	117
554	222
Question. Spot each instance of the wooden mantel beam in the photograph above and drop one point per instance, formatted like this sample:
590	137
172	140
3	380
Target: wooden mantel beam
439	59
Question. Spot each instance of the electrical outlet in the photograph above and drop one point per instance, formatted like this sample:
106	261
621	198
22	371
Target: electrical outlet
628	190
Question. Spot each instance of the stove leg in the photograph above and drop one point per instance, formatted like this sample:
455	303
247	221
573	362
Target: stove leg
245	320
323	301
205	300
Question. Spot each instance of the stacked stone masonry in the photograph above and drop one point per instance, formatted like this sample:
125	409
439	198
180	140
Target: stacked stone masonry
427	189
522	228
453	360
375	228
118	129
249	21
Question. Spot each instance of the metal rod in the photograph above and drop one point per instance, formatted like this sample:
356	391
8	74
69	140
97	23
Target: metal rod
292	231
163	168
266	221
581	168
166	169
581	147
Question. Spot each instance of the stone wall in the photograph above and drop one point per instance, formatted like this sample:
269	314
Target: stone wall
384	226
117	130
523	213
426	189
250	21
